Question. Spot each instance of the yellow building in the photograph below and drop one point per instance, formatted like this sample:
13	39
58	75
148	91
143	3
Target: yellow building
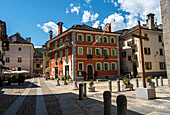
154	58
46	60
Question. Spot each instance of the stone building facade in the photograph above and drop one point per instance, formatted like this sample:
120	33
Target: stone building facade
154	57
38	63
165	11
74	52
20	54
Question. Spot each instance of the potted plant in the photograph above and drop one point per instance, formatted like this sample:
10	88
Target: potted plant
91	86
69	78
14	80
126	84
48	76
95	75
21	79
150	83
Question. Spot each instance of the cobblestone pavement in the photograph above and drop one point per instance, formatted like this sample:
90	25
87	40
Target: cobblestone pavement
9	96
93	105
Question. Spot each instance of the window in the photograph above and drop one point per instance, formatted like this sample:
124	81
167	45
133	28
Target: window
98	66
89	38
80	50
112	40
160	38
113	52
19	59
56	44
19	68
106	52
148	65
61	42
67	39
66	54
105	39
162	65
47	63
56	56
129	58
98	51
37	65
19	49
161	51
147	51
113	66
80	66
14	38
124	54
106	66
61	55
80	37
98	39
7	59
89	51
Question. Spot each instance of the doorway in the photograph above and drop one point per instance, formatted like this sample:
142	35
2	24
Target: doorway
135	72
90	71
66	71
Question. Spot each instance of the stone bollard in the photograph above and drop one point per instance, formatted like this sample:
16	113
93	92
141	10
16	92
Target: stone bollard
80	91
85	91
110	85
118	85
156	81
58	83
75	86
121	105
161	81
107	103
137	82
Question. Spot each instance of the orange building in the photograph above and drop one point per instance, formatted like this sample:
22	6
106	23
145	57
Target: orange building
82	48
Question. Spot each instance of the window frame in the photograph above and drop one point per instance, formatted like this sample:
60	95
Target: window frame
114	39
91	38
19	48
88	51
82	66
81	36
7	60
112	66
104	39
108	66
79	50
100	50
115	53
97	38
19	59
150	65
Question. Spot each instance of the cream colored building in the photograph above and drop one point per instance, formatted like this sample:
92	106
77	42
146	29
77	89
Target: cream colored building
20	54
153	50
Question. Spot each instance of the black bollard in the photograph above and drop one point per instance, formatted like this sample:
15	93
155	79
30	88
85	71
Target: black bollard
156	81
121	105
107	103
85	91
137	82
80	91
118	85
110	85
161	81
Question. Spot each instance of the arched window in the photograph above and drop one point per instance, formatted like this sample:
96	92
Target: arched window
19	49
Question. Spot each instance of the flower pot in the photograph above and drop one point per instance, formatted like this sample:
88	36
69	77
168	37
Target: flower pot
91	89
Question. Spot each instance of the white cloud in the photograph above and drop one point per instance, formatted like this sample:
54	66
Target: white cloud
87	16
71	5
116	4
50	26
96	24
116	20
94	17
88	1
142	8
37	47
67	11
112	1
75	9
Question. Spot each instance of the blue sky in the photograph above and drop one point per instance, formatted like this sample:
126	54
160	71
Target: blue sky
34	18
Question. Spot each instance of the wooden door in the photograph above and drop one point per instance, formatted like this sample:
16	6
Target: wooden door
90	72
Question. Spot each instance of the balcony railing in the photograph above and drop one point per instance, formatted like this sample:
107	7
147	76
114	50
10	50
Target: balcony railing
106	57
89	56
131	43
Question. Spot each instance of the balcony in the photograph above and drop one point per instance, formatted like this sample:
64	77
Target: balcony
106	57
89	56
134	58
64	46
131	43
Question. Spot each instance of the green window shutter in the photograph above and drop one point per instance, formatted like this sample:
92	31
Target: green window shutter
66	52
108	66
101	66
89	51
115	66
86	38
100	51
111	52
80	51
82	37
108	52
95	51
77	37
95	66
110	40
103	39
107	40
111	66
91	38
114	40
115	53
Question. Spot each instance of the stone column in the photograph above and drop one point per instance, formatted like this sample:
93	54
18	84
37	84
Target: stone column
121	105
118	85
107	103
80	91
110	85
165	11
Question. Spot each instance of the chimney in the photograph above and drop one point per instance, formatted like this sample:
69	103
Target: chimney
60	28
51	34
100	27
160	26
156	25
28	39
151	24
108	27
